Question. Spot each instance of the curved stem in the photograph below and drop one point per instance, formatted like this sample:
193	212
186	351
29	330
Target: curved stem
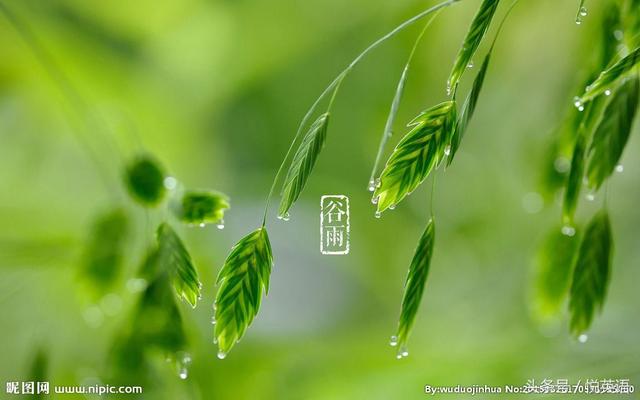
335	84
395	104
65	85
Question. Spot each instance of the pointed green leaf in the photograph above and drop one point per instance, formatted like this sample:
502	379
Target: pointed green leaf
477	30
414	285
105	251
554	265
591	273
608	78
241	283
612	133
418	153
303	162
174	258
574	181
145	181
201	207
468	109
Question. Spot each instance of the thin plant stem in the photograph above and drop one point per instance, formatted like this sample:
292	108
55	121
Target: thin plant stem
65	85
395	104
336	83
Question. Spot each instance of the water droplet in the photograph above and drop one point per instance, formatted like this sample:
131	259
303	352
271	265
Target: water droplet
378	214
449	88
372	186
577	102
583	338
619	168
284	217
607	92
447	150
170	182
618	34
568	230
222	355
213	320
404	352
470	64
201	225
583	11
581	108
578	20
392	207
398	356
220	224
590	196
183	373
378	182
393	341
374	200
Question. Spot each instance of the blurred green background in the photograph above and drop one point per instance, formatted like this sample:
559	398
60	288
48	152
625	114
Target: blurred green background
215	89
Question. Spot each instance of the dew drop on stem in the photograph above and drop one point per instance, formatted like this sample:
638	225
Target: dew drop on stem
568	230
393	341
372	186
583	338
607	92
378	214
583	11
222	355
220	224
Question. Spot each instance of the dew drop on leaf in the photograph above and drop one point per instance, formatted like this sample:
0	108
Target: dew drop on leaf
607	92
374	200
470	64
568	230
583	338
392	207
447	150
222	355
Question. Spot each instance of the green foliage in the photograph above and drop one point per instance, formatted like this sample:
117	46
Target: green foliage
414	285
555	263
241	281
591	273
145	181
200	207
174	259
104	252
303	162
468	108
38	370
417	154
574	181
612	133
609	77
477	30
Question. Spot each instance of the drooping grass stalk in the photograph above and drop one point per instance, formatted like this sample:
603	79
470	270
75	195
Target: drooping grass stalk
335	85
66	87
395	104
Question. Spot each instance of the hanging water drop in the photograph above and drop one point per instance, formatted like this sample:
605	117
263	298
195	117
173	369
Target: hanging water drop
583	11
447	150
170	182
183	373
568	230
374	200
182	364
578	20
590	196
470	64
372	186
222	355
213	320
220	224
618	34
581	108
404	352
201	225
378	182
583	338
393	341
378	214
286	216
619	168
607	92
448	88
